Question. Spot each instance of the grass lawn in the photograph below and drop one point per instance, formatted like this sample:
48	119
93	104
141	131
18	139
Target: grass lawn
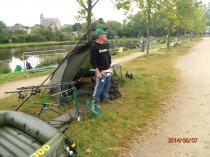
129	116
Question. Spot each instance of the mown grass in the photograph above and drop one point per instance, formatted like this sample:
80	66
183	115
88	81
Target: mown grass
129	116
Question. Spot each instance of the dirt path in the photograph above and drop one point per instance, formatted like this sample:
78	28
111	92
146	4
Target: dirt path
188	115
127	58
21	83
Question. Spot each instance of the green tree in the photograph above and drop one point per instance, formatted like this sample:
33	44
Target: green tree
136	24
147	6
4	36
113	27
199	22
18	38
167	13
47	33
2	24
67	28
76	27
34	38
86	12
190	16
207	13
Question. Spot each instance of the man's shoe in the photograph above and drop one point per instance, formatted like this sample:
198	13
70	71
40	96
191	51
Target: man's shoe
107	101
98	106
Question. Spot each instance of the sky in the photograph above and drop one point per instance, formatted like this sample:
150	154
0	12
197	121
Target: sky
27	12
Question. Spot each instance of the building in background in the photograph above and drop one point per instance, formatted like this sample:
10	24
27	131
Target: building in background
53	23
18	27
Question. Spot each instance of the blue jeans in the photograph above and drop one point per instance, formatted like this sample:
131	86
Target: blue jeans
142	47
101	89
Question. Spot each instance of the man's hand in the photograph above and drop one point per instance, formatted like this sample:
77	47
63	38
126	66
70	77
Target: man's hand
98	74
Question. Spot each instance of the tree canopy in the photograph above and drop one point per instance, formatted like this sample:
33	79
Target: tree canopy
164	17
153	18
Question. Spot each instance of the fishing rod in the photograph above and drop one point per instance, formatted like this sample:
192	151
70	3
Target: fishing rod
48	86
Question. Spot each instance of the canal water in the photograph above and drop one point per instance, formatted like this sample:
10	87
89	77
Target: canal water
14	56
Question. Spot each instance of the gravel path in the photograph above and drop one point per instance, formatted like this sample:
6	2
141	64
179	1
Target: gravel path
188	113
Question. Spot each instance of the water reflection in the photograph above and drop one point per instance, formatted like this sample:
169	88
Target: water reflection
8	53
14	56
33	60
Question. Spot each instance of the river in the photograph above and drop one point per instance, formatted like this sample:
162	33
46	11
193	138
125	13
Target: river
14	56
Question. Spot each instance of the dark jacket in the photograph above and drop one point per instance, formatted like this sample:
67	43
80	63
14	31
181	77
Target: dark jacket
99	56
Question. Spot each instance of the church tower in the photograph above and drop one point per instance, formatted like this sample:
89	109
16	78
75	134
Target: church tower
41	19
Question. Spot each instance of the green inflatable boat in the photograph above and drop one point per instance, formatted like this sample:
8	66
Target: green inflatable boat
22	135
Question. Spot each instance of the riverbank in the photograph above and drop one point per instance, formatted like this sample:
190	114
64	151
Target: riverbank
130	115
51	43
33	44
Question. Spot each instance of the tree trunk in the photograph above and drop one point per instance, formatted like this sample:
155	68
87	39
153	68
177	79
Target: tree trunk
178	34
148	28
168	37
191	36
89	19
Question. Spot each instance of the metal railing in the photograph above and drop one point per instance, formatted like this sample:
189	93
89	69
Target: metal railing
45	52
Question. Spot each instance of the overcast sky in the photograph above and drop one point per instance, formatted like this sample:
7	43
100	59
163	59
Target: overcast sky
27	12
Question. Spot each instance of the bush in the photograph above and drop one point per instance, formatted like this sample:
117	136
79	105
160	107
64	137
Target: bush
66	37
34	38
18	39
4	68
50	61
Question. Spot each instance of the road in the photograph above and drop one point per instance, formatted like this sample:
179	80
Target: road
188	112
